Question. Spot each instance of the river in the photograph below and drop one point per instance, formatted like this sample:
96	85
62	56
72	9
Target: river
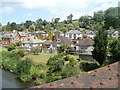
9	81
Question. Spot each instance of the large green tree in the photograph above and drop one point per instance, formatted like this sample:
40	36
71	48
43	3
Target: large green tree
100	46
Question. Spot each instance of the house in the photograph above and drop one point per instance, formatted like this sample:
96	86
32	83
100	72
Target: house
31	42
58	33
22	36
39	33
8	39
91	34
85	45
74	35
114	33
61	40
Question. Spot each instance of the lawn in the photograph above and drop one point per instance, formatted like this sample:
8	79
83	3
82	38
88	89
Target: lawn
2	49
41	58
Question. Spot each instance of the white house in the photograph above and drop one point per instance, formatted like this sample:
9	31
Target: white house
114	33
91	34
31	42
74	35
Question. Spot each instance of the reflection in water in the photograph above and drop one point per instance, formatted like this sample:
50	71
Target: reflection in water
9	81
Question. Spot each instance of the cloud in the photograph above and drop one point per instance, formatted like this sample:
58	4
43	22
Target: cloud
7	10
27	16
62	8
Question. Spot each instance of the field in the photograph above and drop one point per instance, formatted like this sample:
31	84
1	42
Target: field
42	57
2	49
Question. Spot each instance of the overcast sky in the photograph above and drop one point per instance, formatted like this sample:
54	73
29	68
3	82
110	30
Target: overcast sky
21	10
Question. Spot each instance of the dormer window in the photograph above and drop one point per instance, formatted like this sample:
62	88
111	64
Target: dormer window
58	40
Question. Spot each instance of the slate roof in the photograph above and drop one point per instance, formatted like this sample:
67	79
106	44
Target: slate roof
86	42
73	32
62	40
105	77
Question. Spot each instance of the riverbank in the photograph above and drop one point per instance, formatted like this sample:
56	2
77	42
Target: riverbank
9	80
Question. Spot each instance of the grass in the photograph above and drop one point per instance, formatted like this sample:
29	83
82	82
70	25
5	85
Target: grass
2	49
41	58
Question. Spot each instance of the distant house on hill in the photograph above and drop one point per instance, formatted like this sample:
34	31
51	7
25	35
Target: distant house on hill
114	33
85	45
39	33
31	42
74	35
61	40
9	38
91	34
58	33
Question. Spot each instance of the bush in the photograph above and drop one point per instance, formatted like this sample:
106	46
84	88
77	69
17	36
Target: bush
23	70
39	81
87	66
20	52
71	68
36	50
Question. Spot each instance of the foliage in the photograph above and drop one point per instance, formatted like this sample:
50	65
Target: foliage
56	62
36	50
63	48
50	36
114	49
23	70
71	68
100	46
86	66
20	52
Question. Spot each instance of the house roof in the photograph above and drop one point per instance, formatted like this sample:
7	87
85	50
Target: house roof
41	32
9	35
86	42
62	40
105	77
47	42
58	31
113	31
22	33
73	32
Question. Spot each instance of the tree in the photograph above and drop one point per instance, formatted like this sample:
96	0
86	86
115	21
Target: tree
114	49
36	50
100	46
98	16
69	18
8	27
39	21
56	63
50	35
31	29
63	48
23	70
112	17
28	23
13	26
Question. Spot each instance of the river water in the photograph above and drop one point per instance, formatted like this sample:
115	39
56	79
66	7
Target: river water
9	81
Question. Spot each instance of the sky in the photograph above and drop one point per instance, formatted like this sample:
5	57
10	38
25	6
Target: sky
21	10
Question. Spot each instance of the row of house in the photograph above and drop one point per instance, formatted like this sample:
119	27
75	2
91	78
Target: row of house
75	38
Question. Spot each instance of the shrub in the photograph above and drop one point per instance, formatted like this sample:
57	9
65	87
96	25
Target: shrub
20	52
36	50
56	62
39	81
87	66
